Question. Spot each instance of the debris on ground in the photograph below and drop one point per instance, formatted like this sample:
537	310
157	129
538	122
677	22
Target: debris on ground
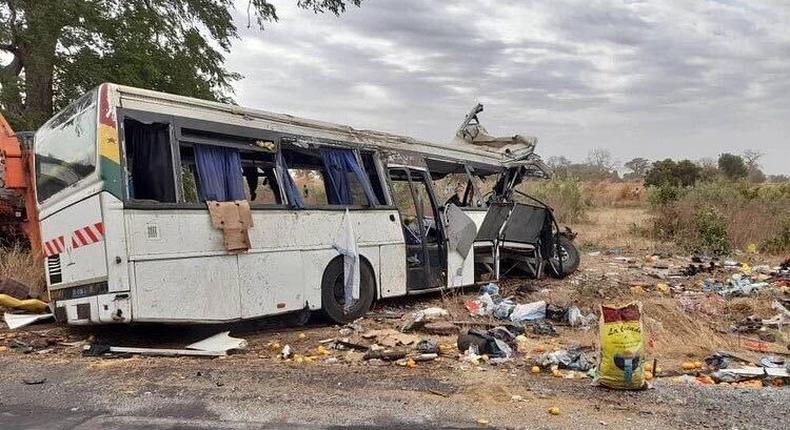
427	346
15	321
574	358
30	305
529	312
391	338
12	287
420	318
35	380
486	342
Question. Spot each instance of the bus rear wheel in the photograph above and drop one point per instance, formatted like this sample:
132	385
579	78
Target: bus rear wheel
333	296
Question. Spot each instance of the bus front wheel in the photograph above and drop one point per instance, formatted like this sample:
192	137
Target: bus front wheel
333	292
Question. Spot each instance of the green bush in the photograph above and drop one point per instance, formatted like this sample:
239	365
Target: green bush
721	215
711	229
664	194
564	195
780	242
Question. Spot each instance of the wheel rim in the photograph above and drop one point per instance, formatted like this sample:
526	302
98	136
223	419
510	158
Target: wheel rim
563	254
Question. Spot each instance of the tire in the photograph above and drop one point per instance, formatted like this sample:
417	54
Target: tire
332	292
570	261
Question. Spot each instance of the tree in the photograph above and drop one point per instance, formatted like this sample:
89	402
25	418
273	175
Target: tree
752	157
752	160
709	170
58	51
598	167
668	172
778	178
687	173
732	166
601	158
661	173
638	166
557	162
559	166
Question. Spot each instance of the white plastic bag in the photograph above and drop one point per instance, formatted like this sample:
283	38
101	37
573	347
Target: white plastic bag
529	312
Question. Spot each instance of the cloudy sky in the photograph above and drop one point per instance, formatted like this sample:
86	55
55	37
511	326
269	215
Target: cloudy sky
681	78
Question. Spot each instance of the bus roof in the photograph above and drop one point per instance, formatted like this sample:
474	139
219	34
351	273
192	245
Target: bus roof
497	153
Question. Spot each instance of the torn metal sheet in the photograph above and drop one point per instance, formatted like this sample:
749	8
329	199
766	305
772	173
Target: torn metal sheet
215	346
219	342
461	230
15	321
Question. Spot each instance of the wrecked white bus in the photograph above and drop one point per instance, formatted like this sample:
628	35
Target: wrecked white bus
161	208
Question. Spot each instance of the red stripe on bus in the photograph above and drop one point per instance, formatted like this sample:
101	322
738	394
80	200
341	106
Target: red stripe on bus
48	249
91	234
79	236
56	246
100	227
62	242
74	244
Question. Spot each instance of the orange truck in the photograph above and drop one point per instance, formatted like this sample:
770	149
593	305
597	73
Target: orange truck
17	199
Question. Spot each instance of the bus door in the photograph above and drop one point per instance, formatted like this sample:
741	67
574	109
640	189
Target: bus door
426	253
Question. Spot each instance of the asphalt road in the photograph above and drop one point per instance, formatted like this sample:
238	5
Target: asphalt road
26	418
245	393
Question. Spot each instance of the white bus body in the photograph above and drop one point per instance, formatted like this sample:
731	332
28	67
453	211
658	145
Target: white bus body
113	259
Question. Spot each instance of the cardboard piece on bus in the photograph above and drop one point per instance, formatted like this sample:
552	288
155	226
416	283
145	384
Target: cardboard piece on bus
233	214
234	219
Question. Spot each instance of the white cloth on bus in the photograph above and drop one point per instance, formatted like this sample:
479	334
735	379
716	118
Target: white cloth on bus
346	245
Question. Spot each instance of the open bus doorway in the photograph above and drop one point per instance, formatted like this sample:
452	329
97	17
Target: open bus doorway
424	236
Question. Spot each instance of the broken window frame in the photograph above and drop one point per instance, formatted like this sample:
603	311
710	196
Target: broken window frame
471	189
312	149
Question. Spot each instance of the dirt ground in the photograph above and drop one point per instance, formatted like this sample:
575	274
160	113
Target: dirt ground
46	381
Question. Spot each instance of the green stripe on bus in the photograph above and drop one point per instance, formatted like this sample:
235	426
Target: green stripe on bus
111	176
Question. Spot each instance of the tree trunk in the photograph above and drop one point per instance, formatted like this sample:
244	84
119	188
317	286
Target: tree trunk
39	70
37	46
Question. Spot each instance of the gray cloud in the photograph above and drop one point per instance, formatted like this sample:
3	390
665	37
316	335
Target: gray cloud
679	78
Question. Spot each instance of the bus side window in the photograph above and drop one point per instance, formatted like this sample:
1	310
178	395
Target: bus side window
260	179
149	162
329	176
373	176
307	171
189	177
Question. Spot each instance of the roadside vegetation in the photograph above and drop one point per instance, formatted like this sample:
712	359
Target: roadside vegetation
706	206
18	263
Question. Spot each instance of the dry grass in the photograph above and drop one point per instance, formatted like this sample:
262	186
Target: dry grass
615	227
614	194
676	333
20	264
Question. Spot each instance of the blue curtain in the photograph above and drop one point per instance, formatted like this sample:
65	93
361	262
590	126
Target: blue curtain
338	163
291	191
219	173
